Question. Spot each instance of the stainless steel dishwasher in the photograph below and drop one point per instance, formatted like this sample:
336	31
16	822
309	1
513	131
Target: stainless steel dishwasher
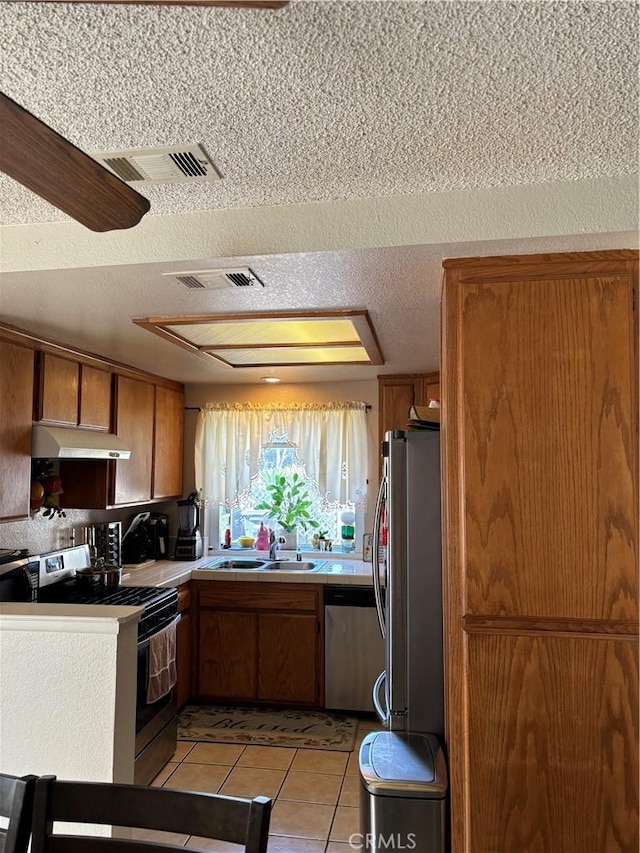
353	647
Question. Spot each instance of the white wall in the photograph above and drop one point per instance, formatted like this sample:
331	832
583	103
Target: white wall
68	691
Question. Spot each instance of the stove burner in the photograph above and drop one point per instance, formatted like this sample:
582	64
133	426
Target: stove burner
160	606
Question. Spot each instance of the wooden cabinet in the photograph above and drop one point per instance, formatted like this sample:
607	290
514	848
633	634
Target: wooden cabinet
540	469
16	404
168	443
58	387
397	393
135	400
287	653
184	657
70	393
260	642
94	410
154	434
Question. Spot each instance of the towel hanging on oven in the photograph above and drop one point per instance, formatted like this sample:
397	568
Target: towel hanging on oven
162	663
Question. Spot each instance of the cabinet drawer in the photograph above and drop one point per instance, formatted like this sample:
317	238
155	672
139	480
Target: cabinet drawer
259	596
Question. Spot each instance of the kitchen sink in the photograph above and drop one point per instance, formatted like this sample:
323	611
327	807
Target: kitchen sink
265	565
294	565
240	563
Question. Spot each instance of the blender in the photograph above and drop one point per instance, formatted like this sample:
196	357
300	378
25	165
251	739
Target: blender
189	540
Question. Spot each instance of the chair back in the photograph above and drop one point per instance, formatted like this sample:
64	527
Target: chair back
211	816
16	804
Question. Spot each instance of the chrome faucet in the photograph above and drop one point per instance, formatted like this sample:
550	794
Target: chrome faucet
273	546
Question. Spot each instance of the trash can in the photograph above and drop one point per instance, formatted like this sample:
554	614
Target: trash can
403	793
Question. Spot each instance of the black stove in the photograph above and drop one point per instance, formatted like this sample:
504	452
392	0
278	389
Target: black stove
160	606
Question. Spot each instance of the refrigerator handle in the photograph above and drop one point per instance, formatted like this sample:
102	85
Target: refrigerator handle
381	713
377	518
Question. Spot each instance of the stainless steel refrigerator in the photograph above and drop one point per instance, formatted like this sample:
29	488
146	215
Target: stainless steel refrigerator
402	769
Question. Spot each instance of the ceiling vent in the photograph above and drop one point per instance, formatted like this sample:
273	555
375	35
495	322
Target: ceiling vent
176	164
217	279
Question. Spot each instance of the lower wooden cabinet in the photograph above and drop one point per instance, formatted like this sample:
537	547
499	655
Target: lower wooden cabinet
184	642
287	653
260	642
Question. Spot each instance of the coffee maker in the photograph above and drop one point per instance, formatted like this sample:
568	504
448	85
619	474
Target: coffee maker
158	530
189	540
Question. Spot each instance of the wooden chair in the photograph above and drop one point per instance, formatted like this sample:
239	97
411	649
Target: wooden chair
212	816
16	804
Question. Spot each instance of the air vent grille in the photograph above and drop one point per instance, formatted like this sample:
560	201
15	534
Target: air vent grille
217	279
173	164
191	282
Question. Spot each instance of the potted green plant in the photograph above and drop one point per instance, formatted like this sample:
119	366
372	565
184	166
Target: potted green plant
288	506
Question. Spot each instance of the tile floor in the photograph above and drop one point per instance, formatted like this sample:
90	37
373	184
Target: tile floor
315	792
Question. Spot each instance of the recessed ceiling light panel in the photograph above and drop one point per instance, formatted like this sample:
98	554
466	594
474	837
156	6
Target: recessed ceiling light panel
279	339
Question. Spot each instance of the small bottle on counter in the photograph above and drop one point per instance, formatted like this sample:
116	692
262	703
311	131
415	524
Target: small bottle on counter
262	539
227	538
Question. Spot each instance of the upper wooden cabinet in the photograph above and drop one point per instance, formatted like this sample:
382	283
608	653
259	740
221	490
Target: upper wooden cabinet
135	402
398	393
95	398
168	443
540	556
16	404
70	393
149	419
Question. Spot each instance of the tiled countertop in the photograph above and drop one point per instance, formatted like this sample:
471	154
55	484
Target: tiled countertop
338	570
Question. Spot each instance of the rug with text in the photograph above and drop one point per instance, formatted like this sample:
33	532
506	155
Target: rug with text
267	727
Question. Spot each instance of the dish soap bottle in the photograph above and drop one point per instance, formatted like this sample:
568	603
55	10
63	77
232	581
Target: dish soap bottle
262	539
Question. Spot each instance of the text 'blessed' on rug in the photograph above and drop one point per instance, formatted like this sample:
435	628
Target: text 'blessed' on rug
267	727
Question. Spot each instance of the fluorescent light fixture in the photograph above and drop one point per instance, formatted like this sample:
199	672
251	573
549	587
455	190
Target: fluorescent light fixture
277	339
270	379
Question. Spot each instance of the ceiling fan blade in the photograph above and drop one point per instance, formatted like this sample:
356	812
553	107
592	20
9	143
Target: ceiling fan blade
48	164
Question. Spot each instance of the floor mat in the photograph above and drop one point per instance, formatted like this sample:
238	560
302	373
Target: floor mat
267	727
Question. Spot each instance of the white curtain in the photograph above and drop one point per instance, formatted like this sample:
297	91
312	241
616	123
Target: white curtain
331	441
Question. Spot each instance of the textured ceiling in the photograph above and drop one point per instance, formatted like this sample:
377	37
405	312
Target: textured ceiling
333	100
427	129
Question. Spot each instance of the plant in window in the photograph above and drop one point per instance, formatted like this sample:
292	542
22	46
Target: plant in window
288	503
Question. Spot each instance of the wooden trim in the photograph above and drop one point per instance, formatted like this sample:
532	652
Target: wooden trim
397	378
531	626
456	659
504	268
14	334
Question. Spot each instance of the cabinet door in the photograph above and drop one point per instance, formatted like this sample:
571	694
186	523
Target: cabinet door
134	425
58	390
288	653
227	652
553	733
540	536
168	443
396	395
95	398
16	396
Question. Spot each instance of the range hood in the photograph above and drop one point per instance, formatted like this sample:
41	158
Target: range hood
70	443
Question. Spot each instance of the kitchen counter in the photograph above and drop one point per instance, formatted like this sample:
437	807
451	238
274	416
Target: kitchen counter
339	569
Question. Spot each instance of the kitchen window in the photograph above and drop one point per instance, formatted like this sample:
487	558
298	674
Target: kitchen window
240	447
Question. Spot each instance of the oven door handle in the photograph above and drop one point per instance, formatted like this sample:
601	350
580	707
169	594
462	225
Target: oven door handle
173	621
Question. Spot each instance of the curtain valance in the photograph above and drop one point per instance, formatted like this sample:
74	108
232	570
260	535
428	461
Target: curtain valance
331	442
